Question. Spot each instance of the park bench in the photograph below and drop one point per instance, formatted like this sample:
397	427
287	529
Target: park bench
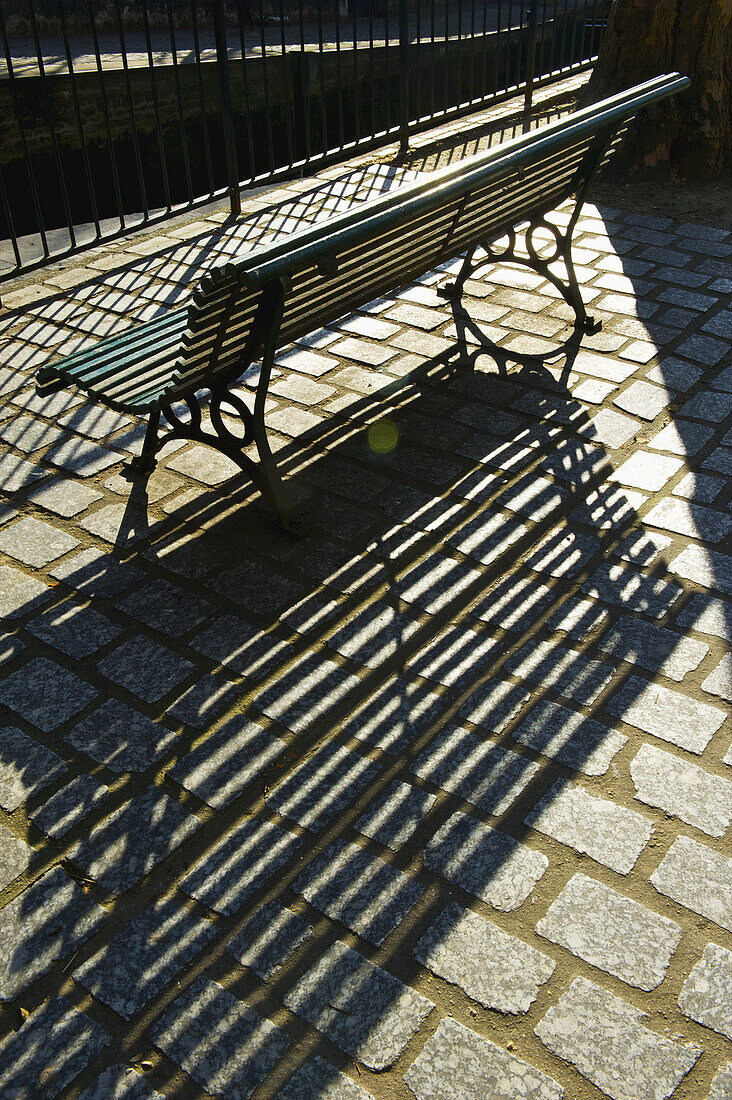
249	307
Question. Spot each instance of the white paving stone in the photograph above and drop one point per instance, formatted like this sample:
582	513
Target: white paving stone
603	1037
611	932
666	714
638	642
361	1008
682	789
719	681
706	993
487	862
698	878
494	968
722	1084
610	834
458	1064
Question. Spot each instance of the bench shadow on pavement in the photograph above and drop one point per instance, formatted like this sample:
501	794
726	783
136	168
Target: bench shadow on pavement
433	630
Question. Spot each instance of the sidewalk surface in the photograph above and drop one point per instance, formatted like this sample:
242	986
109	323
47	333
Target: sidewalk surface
433	802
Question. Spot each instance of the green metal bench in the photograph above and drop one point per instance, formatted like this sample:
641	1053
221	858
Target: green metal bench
274	295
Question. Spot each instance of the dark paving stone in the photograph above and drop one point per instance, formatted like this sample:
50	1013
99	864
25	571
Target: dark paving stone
142	958
54	1044
120	738
25	767
45	694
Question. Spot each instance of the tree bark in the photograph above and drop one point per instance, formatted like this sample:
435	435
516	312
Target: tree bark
691	135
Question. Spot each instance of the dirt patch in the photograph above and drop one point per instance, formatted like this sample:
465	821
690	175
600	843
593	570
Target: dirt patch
708	202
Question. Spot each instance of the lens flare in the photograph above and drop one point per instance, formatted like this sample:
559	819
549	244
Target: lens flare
383	436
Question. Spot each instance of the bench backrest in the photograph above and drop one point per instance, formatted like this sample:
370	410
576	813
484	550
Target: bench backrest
329	269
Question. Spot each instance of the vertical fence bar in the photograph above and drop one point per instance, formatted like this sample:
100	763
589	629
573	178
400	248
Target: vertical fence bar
240	8
227	115
35	197
107	122
79	123
52	128
403	77
202	98
156	108
530	61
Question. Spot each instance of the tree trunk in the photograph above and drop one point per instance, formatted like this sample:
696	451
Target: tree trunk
691	135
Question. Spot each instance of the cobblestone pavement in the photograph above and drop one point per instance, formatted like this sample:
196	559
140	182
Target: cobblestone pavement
430	803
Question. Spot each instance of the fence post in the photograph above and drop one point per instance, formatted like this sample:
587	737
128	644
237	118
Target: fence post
403	77
533	13
227	115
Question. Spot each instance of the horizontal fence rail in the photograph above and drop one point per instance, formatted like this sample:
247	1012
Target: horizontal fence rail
115	117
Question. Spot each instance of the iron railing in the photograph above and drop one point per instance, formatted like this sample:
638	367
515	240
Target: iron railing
117	117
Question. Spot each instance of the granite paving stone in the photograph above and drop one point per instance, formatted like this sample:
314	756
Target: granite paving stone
47	922
433	583
722	1084
483	773
484	861
373	634
494	968
707	614
645	470
35	543
456	657
363	1009
221	767
120	1082
631	590
689	518
45	693
705	995
18	473
96	574
394	714
239	864
642	398
564	555
201	703
667	714
121	738
242	648
268	939
565	735
570	673
306	692
719	680
19	593
73	628
142	958
682	437
612	429
395	815
458	1064
222	1043
494	704
514	605
26	767
707	568
322	786
698	878
682	789
604	1038
166	607
15	856
53	1045
611	834
145	668
69	805
611	932
653	647
352	886
126	845
318	1080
